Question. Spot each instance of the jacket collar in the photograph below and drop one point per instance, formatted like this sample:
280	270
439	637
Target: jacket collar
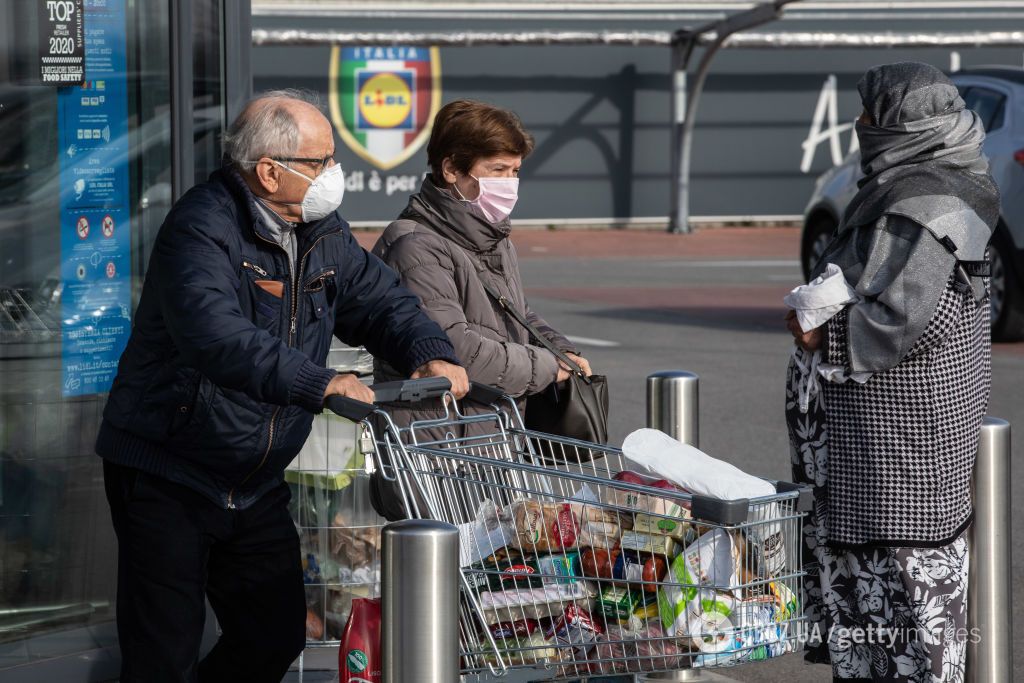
246	200
453	219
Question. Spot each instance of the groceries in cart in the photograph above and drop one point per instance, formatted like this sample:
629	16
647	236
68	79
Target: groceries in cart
655	557
339	540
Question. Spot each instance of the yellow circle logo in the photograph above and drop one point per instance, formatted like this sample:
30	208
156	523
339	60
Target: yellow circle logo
385	101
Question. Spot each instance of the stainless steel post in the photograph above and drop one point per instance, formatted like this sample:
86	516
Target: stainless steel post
672	404
989	598
420	602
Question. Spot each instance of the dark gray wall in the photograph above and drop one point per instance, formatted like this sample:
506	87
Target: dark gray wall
600	115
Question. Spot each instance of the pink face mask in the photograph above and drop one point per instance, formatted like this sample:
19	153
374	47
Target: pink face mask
497	197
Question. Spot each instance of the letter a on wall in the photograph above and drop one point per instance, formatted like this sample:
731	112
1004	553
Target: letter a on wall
384	99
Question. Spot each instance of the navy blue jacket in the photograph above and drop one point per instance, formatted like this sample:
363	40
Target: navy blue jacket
218	384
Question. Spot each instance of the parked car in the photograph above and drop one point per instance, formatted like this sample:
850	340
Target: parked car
997	95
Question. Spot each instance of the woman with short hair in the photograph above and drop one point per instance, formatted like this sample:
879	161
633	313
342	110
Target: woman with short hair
452	242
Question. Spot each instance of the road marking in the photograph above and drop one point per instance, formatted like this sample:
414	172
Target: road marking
725	264
588	341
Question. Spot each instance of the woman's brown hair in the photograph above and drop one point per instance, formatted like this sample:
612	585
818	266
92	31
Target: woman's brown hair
466	130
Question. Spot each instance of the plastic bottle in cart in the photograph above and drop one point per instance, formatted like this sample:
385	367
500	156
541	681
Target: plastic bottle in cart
359	658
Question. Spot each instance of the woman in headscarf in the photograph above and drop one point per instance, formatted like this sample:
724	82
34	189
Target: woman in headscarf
904	372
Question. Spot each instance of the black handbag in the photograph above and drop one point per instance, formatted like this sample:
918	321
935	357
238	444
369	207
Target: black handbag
576	408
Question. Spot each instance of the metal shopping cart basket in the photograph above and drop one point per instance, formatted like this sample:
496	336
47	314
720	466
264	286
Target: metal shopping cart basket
574	565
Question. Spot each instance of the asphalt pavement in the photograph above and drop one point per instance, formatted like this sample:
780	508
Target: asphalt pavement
711	302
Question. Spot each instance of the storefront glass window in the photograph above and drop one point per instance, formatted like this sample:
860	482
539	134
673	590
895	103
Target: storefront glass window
85	175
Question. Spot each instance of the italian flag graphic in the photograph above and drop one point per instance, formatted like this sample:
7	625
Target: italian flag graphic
383	100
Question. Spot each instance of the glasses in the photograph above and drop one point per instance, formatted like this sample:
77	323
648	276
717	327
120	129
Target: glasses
321	163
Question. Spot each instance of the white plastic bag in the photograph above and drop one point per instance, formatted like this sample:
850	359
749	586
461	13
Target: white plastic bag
691	468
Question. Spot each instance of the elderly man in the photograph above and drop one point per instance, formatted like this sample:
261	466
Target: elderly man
252	274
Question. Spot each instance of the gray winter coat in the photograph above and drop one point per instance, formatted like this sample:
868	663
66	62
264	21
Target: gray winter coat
442	251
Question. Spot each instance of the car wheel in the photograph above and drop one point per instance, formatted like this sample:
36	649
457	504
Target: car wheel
817	234
1007	292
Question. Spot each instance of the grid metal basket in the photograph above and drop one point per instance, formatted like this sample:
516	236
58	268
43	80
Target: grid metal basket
574	565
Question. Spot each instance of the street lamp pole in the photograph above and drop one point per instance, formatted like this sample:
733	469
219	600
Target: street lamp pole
684	108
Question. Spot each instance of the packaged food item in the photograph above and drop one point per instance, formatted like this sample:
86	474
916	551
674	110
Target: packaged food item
506	569
631	567
750	632
647	612
618	603
311	569
532	649
778	597
676	527
645	502
531	603
576	631
597	563
656	651
635	650
768	546
353	544
650	543
314	625
359	658
599	527
513	630
491	529
545	527
708	563
560	567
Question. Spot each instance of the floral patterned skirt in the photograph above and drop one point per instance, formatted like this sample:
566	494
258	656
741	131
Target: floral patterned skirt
881	614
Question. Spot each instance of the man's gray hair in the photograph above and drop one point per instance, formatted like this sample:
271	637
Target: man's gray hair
265	128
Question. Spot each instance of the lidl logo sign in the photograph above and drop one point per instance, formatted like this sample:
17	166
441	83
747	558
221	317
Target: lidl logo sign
384	99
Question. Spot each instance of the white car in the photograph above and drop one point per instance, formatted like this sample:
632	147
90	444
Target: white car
997	95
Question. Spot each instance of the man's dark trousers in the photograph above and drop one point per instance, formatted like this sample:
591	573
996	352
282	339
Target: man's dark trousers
175	547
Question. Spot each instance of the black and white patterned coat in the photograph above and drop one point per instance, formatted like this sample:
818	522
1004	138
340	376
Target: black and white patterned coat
901	447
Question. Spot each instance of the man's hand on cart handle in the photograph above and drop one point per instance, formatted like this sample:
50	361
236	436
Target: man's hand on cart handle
348	385
455	374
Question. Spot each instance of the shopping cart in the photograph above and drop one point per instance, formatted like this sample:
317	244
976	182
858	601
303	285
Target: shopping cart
573	565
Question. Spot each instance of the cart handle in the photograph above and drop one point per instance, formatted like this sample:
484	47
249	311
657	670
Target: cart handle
399	391
349	408
484	393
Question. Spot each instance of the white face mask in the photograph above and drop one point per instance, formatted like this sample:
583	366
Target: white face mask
324	193
497	197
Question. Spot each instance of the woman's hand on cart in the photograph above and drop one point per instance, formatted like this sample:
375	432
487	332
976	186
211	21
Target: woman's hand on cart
455	374
349	386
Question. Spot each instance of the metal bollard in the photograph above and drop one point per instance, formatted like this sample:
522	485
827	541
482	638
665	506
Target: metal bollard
672	405
989	597
420	602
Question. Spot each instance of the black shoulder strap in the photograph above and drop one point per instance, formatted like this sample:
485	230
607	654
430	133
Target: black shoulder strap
507	306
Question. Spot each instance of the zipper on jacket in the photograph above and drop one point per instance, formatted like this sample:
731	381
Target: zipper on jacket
253	267
291	334
317	283
295	288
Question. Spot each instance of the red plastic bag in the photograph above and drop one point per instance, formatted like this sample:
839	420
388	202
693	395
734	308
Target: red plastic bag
359	656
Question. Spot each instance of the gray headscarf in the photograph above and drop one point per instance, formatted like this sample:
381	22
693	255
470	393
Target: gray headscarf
924	170
922	144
